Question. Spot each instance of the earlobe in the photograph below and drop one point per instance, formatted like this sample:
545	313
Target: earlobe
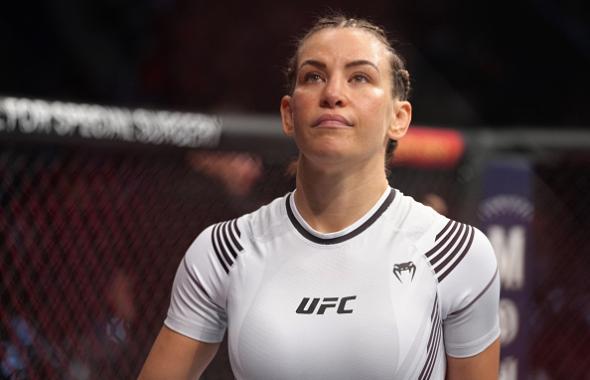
287	115
401	120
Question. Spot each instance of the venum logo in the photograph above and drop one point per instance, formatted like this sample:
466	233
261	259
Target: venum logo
339	303
401	268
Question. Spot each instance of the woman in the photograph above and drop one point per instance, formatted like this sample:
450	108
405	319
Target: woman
344	278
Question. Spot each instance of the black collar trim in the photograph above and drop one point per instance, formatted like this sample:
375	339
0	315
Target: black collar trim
309	236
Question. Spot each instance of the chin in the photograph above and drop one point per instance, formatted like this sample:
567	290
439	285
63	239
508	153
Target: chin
330	155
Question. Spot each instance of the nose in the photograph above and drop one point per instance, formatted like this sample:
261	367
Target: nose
333	94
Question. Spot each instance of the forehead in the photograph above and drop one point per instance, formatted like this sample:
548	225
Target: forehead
344	44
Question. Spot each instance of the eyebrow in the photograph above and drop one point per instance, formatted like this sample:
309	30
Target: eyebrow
321	65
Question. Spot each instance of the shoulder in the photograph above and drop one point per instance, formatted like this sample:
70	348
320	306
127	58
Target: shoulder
468	287
460	256
223	242
454	246
462	261
412	218
269	221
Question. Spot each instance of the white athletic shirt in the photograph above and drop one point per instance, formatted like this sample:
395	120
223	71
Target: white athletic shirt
382	299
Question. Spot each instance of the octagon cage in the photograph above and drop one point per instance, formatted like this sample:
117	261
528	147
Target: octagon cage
99	204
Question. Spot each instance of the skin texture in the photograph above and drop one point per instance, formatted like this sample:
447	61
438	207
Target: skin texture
483	366
342	73
174	356
341	114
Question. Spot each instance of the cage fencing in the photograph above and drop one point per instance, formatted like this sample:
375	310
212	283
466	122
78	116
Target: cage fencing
91	236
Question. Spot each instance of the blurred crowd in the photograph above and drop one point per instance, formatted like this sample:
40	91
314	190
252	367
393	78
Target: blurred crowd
89	241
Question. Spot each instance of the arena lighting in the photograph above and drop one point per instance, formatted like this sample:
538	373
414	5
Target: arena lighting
430	147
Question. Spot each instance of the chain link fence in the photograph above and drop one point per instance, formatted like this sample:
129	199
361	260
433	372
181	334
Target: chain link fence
560	318
90	239
90	242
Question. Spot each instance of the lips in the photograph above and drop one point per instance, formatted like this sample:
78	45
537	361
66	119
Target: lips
332	121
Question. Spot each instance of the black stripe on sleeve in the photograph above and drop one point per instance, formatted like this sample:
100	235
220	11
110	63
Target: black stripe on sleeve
228	246
233	232
444	241
226	243
461	256
224	253
450	254
444	253
216	249
442	232
235	226
455	241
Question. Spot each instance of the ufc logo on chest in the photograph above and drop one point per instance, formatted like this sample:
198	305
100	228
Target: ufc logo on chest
320	305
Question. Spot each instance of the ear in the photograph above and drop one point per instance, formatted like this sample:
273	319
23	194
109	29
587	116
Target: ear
401	118
287	115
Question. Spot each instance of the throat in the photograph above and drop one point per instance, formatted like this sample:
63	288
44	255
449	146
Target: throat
333	197
331	213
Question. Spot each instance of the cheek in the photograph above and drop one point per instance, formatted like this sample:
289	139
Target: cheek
376	105
373	98
301	115
301	99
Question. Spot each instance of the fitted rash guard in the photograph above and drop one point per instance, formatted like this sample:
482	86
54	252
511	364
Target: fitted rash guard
386	298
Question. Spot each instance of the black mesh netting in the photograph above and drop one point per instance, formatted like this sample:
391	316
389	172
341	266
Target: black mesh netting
90	240
560	322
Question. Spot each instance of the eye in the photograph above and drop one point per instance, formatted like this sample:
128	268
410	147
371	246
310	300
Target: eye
312	77
360	78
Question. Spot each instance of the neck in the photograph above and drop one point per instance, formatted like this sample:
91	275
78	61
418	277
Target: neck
331	199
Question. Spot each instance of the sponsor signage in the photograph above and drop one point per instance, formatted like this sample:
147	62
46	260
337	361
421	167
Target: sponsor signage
89	121
505	216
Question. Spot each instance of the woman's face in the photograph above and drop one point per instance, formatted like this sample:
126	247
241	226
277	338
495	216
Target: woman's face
342	106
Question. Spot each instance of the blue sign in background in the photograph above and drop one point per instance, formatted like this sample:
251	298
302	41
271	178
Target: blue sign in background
505	215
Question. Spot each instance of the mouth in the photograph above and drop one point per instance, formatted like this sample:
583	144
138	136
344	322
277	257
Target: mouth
332	121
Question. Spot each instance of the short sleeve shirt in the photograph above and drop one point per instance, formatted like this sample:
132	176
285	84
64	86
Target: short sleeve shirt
388	297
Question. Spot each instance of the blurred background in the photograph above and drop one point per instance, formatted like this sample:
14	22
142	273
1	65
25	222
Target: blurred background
128	127
478	63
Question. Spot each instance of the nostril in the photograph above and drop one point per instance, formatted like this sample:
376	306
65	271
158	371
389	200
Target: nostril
330	101
325	103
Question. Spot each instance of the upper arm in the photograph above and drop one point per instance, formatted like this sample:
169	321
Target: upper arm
196	320
470	301
175	356
483	366
199	293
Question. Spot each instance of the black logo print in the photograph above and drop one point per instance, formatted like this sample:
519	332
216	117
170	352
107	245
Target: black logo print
401	268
